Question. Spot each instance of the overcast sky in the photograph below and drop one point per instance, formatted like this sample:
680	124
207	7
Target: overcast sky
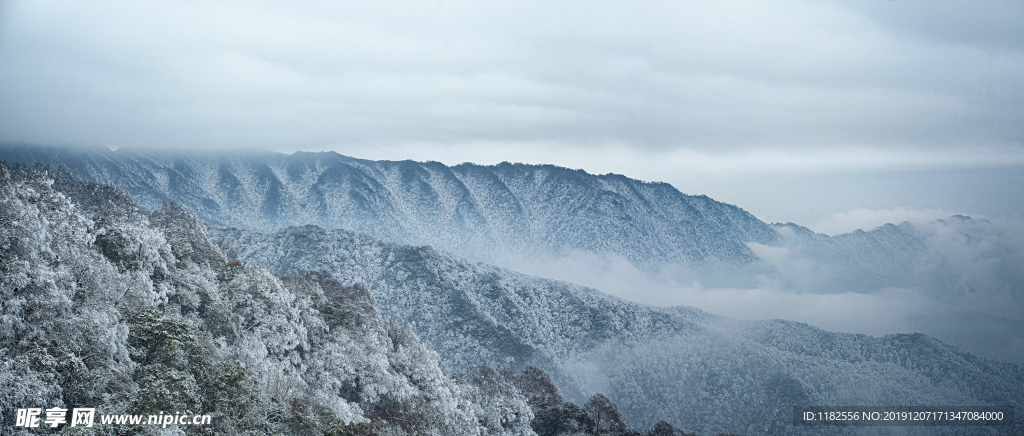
833	115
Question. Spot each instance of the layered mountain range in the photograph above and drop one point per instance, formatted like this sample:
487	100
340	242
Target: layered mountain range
416	236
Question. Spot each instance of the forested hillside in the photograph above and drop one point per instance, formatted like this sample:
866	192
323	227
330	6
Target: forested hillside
141	314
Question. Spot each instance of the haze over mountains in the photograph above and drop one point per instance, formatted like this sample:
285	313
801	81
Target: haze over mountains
960	279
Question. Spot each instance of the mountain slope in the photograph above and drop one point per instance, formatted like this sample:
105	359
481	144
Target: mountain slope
681	365
478	314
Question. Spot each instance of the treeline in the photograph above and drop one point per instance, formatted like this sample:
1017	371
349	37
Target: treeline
104	306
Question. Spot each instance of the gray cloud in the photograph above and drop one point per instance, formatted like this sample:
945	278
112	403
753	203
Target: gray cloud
655	75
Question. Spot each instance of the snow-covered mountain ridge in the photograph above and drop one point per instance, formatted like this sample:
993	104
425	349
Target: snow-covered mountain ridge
500	213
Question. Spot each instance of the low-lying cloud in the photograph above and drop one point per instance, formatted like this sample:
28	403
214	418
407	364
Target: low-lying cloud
879	312
966	288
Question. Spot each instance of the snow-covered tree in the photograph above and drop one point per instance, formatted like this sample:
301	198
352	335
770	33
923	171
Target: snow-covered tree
101	305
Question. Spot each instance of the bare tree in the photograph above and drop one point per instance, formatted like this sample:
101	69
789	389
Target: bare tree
605	414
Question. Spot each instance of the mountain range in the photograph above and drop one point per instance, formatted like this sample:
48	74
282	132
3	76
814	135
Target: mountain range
498	214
